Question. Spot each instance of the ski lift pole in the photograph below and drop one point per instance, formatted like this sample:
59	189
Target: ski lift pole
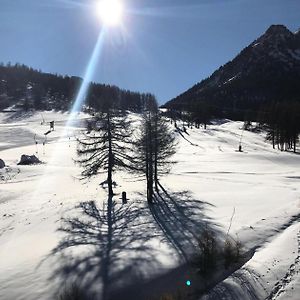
43	120
44	143
240	143
69	138
36	144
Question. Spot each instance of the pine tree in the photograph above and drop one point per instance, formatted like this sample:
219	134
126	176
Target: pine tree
283	127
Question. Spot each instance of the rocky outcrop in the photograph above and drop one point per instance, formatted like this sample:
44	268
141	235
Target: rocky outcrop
29	160
2	163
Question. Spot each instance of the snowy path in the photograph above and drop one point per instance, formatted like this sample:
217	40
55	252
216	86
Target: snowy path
293	270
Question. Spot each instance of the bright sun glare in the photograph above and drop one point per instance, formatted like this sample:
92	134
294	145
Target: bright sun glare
110	12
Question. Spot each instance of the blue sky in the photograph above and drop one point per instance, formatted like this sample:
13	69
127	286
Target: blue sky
164	47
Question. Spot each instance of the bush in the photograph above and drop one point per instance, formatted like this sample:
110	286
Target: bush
213	253
231	252
207	259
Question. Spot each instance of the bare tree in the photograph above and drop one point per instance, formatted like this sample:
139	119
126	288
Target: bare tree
106	145
164	146
154	147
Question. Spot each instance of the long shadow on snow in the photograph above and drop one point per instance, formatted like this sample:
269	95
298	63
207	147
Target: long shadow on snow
111	248
181	219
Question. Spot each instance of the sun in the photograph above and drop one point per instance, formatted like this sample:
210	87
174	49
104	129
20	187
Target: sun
110	12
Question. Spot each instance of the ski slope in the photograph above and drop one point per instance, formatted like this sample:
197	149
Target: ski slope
52	225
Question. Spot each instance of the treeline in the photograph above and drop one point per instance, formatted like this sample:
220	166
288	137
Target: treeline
192	115
282	121
27	88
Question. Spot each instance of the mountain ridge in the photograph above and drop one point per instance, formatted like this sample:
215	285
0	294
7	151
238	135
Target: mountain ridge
267	70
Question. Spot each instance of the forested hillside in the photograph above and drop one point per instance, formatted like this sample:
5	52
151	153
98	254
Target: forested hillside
26	88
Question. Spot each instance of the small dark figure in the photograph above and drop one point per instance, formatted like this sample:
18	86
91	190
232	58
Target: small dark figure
52	125
240	148
124	198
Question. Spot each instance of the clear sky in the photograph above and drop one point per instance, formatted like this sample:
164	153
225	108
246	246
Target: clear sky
163	47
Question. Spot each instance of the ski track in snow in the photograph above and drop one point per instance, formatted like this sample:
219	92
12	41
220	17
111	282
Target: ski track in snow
281	284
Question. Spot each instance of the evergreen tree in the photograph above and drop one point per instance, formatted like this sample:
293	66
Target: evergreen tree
283	126
52	91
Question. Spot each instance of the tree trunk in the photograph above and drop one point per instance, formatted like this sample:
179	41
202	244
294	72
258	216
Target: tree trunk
155	172
150	163
147	170
110	159
150	185
156	155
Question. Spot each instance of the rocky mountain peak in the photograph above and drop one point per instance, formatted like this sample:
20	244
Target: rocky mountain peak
276	34
278	30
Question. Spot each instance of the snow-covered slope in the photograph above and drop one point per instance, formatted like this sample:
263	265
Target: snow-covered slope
267	70
51	225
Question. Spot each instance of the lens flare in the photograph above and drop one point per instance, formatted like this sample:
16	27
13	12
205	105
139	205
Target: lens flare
110	12
88	76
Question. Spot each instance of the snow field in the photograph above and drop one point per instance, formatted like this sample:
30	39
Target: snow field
260	184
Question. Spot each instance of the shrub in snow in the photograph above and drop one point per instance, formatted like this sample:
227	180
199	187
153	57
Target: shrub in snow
213	253
207	259
231	252
2	164
29	160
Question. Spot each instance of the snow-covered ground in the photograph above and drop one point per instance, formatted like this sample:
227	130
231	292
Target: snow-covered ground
55	230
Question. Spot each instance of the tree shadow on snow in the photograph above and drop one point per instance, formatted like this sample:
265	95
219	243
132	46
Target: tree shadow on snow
105	247
181	220
108	251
